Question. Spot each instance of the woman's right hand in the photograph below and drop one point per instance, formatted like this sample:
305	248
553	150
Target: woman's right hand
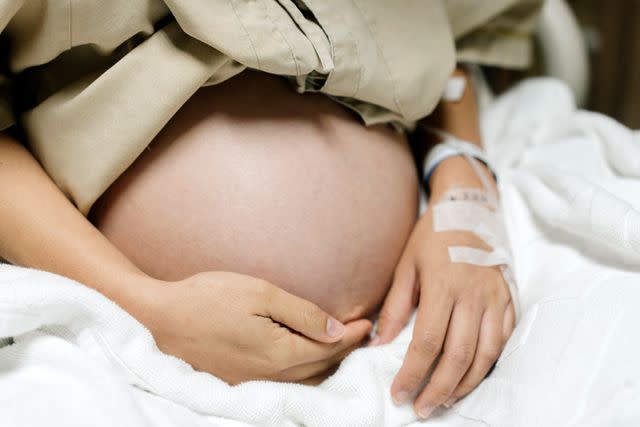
227	324
240	328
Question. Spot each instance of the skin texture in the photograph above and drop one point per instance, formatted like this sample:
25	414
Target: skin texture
252	178
464	312
234	326
252	330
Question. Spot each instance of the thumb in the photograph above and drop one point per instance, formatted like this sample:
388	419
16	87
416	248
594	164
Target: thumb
303	316
398	304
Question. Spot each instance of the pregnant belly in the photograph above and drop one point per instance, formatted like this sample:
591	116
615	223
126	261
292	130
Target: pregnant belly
253	178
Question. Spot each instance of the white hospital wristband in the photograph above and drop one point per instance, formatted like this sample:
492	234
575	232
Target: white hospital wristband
451	147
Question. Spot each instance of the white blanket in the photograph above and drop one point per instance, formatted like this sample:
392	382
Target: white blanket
571	195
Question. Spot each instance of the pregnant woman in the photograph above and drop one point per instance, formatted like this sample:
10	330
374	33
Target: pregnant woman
206	166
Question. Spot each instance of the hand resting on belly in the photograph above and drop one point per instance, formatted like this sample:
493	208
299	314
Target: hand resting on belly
253	178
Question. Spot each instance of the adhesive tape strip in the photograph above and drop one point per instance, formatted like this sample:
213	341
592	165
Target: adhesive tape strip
476	217
476	256
469	216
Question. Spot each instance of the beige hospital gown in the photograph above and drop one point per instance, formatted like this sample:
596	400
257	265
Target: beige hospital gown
91	82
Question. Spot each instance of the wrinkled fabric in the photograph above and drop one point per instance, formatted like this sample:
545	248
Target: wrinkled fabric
77	359
94	81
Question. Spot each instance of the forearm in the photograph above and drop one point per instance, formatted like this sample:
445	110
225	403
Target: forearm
460	119
40	228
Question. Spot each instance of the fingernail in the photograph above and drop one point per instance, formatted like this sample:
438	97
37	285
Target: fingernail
375	341
449	403
425	411
400	397
334	328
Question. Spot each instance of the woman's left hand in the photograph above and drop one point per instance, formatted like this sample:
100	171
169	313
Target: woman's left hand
464	318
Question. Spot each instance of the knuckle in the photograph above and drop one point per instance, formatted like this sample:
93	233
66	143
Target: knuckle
427	343
413	378
437	393
485	291
439	276
505	299
465	387
461	356
311	315
497	295
490	353
386	317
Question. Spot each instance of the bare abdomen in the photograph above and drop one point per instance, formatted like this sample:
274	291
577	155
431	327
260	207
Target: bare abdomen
253	178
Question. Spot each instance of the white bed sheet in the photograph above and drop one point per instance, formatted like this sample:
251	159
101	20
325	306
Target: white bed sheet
571	193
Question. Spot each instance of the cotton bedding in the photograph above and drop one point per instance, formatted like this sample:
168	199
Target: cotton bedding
570	183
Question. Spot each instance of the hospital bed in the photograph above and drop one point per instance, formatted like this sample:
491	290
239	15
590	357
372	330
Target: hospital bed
570	184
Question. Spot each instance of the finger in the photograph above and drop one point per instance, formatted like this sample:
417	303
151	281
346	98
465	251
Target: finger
319	378
303	316
428	336
300	350
509	322
490	346
398	304
457	357
316	369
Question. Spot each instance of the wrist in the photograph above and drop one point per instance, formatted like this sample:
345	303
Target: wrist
139	295
453	172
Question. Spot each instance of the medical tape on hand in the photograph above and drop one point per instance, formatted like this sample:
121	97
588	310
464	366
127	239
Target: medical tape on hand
469	216
477	211
476	256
